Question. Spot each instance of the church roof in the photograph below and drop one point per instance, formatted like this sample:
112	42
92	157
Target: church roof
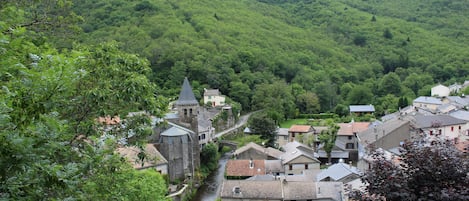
186	97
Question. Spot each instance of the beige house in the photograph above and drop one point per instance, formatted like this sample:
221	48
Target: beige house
214	97
282	136
296	130
425	102
440	90
441	126
151	158
299	159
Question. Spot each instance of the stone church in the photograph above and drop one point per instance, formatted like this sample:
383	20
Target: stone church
177	138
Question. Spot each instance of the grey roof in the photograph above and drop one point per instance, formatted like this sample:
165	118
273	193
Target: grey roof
176	130
430	121
330	190
282	131
460	114
445	108
334	154
338	171
375	132
186	97
269	151
211	92
299	190
247	130
272	166
362	108
248	189
458	100
294	150
428	100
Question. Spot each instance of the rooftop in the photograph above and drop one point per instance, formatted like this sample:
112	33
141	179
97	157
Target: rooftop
275	153
300	129
428	100
244	168
186	97
362	108
152	156
353	127
338	171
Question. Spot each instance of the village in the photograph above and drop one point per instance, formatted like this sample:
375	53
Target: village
296	169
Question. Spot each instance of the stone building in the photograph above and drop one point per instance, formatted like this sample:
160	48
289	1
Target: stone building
177	139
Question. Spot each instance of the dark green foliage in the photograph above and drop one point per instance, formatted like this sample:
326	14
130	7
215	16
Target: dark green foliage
328	137
387	34
421	172
261	123
209	159
359	40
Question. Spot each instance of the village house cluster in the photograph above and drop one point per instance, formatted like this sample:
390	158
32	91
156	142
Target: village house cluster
293	172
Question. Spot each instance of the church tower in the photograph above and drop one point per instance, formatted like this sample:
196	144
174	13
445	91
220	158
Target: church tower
188	109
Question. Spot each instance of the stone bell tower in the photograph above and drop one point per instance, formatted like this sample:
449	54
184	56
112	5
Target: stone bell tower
188	109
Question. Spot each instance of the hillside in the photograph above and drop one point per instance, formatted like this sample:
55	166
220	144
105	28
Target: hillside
344	52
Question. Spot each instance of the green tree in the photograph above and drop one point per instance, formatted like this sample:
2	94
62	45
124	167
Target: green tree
209	158
308	103
275	97
360	95
261	123
328	137
390	84
51	145
387	34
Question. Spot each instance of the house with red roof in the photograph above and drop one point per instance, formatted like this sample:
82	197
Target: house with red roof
296	130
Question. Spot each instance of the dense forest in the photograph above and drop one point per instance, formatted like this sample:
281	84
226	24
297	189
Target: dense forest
66	62
334	52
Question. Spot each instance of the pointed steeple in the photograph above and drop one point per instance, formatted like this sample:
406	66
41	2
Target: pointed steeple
186	97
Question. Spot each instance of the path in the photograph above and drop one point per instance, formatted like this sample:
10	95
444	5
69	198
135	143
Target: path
241	122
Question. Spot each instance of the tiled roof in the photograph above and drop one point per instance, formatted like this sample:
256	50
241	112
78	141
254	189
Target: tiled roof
338	171
428	100
373	133
299	190
430	121
460	114
108	120
352	127
299	128
242	168
186	97
294	150
268	190
153	156
362	108
272	166
211	92
275	153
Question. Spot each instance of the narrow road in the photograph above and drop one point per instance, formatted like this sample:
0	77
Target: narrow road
241	122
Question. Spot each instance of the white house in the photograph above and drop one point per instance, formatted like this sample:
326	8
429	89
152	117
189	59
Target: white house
431	103
214	97
440	90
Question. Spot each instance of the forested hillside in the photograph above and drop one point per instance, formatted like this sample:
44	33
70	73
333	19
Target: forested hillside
337	52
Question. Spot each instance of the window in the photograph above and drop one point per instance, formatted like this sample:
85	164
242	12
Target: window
290	167
306	166
185	112
190	111
350	137
459	127
293	134
431	132
452	128
349	146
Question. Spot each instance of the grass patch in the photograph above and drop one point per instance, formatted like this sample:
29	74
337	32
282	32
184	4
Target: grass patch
243	139
290	122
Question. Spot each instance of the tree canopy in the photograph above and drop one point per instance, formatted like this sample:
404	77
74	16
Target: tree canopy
426	170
